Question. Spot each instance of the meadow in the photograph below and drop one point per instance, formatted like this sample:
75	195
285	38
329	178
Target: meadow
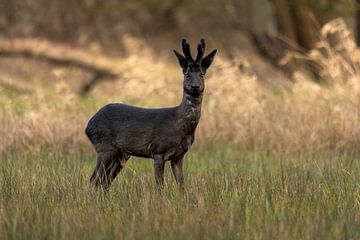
269	162
230	194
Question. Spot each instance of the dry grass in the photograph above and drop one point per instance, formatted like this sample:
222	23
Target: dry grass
237	109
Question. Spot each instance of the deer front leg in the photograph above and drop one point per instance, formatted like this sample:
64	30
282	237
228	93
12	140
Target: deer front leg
176	166
159	165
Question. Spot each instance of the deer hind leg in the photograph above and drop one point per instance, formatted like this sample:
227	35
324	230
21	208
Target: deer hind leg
109	164
117	164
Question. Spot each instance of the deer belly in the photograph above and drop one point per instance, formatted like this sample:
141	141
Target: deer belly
139	147
179	149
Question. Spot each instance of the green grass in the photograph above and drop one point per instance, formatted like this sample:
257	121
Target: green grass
231	194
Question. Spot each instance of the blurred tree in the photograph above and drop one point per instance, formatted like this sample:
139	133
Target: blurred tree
8	17
357	22
296	22
84	22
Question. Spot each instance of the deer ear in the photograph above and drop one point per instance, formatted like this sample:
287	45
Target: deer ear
182	61
206	61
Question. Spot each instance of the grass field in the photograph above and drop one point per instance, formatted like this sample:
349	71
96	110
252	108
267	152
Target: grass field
290	170
230	194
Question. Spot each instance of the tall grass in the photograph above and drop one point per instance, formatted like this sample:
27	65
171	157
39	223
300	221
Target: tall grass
230	195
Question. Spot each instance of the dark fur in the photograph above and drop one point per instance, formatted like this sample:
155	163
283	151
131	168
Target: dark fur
119	131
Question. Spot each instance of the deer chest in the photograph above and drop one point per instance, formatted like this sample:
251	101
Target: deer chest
179	149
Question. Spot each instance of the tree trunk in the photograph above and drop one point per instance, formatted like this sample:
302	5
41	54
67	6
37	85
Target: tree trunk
357	23
284	19
296	22
306	27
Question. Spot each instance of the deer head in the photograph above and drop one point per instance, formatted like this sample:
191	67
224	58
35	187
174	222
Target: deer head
194	70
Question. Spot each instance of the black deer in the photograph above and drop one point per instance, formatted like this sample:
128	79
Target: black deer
118	131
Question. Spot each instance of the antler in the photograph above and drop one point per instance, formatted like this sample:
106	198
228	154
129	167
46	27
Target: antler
186	50
201	51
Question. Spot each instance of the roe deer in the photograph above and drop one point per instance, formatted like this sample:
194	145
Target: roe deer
118	131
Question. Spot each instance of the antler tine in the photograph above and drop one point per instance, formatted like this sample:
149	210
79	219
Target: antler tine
186	50
202	41
201	50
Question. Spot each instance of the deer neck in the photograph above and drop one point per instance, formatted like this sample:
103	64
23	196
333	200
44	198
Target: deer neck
190	111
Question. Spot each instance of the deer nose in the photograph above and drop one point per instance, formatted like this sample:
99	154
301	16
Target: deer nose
195	88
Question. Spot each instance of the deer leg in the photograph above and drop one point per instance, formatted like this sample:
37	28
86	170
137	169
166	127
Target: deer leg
115	167
159	165
99	177
176	166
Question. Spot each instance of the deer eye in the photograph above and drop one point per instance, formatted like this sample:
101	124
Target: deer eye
187	76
